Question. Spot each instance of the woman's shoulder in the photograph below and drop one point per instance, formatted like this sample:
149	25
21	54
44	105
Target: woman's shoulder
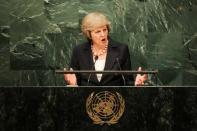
118	44
84	45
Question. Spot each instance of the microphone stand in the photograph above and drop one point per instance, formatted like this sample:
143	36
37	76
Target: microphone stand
95	58
121	73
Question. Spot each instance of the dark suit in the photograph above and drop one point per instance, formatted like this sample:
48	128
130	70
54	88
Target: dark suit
117	55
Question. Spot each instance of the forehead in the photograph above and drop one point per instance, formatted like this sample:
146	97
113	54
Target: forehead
100	28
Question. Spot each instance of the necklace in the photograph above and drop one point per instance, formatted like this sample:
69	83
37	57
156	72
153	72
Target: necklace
100	52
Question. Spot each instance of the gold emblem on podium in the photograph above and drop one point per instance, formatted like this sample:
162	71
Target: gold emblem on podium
105	107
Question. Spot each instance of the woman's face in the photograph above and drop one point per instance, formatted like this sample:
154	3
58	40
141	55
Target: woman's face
100	36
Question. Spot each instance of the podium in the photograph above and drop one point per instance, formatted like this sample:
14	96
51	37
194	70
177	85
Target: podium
65	109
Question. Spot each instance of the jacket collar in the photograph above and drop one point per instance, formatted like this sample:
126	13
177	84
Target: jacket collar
112	55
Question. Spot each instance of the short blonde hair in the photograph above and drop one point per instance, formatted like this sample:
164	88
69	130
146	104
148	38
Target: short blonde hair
92	21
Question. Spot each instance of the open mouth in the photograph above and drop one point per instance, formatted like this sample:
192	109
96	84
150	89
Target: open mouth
103	40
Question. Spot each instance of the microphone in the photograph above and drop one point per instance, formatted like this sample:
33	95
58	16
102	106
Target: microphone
123	78
95	59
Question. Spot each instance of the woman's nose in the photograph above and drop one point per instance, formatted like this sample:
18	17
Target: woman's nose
102	33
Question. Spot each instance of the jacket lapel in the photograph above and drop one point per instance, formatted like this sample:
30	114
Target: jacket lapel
112	54
88	56
90	62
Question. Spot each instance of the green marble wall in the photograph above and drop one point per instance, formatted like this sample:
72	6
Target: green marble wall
37	36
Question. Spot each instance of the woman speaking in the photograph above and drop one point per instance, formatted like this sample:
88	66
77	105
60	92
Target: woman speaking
100	53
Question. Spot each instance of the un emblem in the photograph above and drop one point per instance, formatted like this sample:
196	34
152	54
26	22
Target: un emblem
105	107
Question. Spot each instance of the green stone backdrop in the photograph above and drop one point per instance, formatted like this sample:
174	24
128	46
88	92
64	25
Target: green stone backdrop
37	36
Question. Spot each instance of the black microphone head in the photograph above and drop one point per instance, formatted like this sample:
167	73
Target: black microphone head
96	57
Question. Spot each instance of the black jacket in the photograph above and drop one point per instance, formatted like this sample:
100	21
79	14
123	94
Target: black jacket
117	55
